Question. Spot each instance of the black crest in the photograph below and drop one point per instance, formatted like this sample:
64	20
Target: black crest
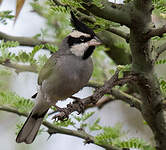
80	26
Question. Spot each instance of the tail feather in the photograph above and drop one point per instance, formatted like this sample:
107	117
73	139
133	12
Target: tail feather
30	128
30	138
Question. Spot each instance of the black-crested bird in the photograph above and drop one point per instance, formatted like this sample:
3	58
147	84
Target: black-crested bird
64	74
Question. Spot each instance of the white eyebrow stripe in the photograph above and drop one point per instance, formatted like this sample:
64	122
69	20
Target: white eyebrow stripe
77	34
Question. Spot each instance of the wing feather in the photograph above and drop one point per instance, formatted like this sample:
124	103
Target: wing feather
47	69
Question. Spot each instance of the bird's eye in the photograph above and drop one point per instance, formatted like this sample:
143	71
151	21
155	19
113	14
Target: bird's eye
82	38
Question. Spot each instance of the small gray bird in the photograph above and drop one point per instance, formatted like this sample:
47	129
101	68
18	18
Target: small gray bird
65	73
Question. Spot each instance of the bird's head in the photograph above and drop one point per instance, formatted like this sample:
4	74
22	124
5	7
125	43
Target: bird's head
82	40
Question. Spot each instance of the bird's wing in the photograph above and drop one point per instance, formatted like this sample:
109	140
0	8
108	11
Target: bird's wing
47	69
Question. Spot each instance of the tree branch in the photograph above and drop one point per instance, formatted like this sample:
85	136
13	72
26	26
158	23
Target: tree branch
117	95
156	32
52	129
122	34
24	41
110	11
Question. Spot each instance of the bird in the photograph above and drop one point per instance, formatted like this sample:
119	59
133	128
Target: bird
65	73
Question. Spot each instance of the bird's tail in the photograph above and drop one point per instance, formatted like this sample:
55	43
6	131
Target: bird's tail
30	128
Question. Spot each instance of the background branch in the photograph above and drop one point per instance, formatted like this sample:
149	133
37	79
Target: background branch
20	67
120	55
24	41
122	34
52	129
110	11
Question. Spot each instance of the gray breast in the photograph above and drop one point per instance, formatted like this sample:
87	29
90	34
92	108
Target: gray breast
70	74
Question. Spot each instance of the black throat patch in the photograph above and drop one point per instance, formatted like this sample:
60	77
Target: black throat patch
88	52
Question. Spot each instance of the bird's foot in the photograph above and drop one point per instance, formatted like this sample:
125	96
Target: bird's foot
62	115
80	107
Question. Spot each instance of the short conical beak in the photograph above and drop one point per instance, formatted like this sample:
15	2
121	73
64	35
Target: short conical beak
94	42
